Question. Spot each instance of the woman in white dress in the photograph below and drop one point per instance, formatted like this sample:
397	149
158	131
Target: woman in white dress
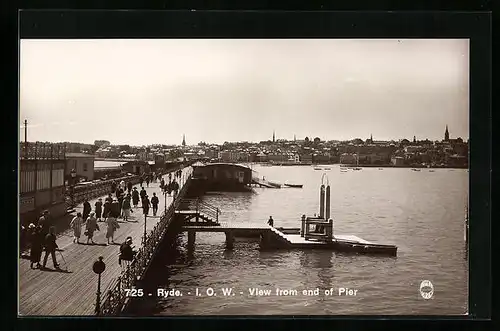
112	225
76	225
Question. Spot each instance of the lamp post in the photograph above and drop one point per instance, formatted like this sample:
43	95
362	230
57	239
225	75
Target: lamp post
98	267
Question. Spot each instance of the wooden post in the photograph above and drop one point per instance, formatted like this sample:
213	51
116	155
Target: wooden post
191	240
302	225
306	232
229	240
330	230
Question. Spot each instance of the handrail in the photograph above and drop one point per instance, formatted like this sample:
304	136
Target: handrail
202	207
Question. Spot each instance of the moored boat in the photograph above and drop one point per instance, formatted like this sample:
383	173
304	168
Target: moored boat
294	185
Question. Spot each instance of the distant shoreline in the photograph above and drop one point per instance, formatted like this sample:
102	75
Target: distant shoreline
400	166
359	166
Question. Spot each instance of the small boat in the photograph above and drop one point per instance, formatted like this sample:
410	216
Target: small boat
316	168
328	168
357	168
276	185
294	185
380	168
414	169
431	170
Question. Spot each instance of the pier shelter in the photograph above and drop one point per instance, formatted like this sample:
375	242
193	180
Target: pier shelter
82	163
137	167
41	180
223	176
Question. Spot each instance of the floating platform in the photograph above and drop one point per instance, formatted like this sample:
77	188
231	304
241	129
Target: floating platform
290	238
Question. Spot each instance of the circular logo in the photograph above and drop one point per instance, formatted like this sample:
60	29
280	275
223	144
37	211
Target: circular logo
426	289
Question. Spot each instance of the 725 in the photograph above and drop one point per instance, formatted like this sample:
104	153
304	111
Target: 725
133	292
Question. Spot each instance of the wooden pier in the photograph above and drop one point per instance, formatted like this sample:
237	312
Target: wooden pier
71	291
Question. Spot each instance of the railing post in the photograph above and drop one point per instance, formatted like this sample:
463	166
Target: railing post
217	215
120	300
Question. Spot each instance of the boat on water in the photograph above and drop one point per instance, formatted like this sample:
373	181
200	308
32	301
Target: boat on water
414	169
431	170
316	168
380	168
276	185
327	168
294	185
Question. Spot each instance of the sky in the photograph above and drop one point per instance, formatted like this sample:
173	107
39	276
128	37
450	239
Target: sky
142	92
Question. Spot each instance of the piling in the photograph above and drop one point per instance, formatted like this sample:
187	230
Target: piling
191	240
303	225
229	240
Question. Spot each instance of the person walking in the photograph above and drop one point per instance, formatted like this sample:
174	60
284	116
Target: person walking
126	252
143	193
120	202
145	205
129	187
270	222
44	223
147	181
86	209
162	184
141	180
122	185
154	203
76	225
90	227
169	177
135	197
36	245
175	188
98	209
109	198
113	186
50	246
112	226
126	208
107	209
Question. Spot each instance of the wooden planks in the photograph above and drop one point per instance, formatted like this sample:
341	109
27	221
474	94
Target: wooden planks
51	292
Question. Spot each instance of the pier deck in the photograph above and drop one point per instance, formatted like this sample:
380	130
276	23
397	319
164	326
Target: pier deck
73	293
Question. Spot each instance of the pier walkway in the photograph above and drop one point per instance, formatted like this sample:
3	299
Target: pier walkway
72	290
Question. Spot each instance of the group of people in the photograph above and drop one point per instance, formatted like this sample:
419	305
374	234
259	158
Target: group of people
42	237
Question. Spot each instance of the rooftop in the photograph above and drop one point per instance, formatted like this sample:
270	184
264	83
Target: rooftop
71	155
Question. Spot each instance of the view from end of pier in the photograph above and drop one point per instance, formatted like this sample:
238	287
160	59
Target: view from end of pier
164	177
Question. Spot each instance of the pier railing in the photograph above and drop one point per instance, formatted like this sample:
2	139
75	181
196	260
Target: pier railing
115	299
94	190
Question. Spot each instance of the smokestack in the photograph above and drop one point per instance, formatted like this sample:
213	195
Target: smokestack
327	214
322	201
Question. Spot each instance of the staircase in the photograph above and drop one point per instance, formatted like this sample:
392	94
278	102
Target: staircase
275	239
195	208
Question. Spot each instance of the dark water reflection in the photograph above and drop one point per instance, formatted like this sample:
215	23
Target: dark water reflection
421	212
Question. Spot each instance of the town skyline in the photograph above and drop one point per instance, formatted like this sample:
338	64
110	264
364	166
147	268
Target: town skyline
277	139
140	92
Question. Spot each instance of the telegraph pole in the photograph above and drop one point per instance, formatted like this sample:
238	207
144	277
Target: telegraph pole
25	132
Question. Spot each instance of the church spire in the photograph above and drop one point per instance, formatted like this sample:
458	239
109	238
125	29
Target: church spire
446	134
183	140
274	137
